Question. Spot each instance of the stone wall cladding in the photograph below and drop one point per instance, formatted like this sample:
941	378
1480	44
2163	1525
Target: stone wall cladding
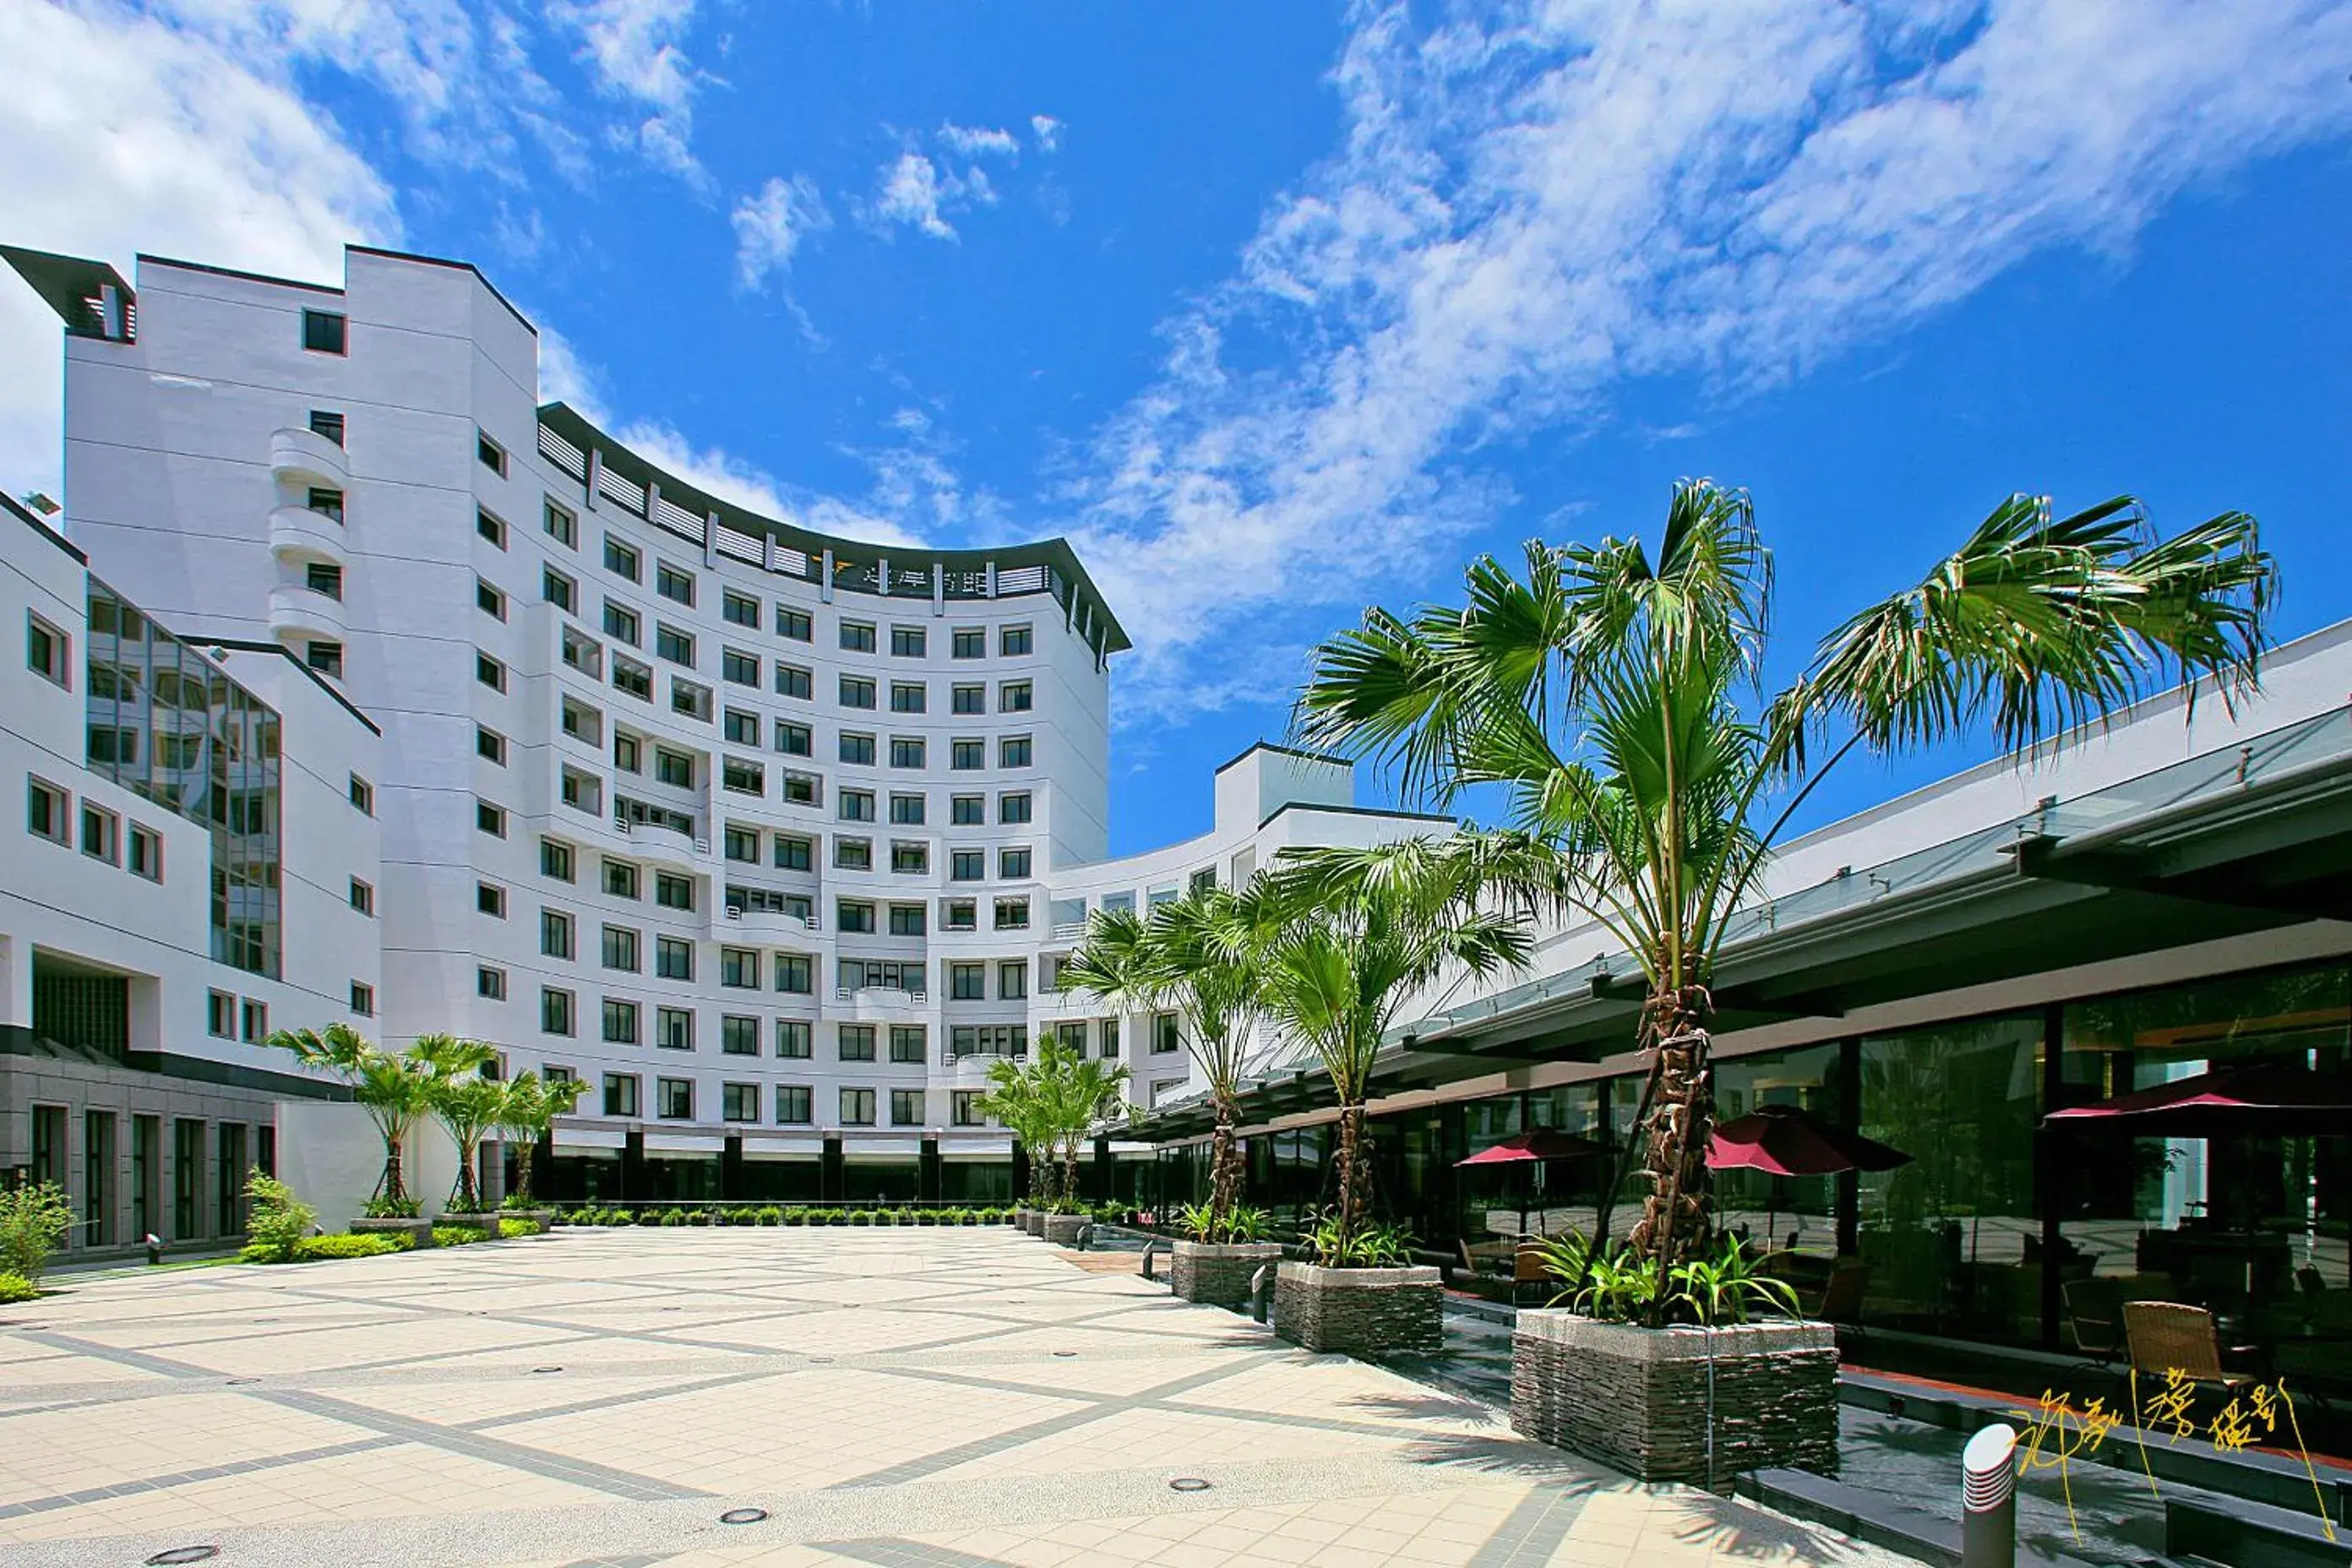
1061	1230
1218	1276
1360	1312
1637	1399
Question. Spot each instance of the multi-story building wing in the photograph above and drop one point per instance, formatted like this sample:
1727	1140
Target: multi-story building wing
767	835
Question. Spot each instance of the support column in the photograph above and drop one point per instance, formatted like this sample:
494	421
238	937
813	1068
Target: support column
926	1171
2049	1181
831	1172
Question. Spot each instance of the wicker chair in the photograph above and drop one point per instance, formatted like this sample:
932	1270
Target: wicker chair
1841	1294
2095	1310
2167	1335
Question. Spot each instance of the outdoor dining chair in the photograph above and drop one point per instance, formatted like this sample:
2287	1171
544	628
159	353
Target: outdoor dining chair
2095	1317
2165	1336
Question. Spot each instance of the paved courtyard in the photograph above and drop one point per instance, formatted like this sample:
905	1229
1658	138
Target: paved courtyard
948	1399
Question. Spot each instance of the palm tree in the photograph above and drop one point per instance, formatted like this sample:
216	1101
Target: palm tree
1616	698
463	1100
1077	1093
1014	1098
1203	956
527	1110
393	1089
1356	933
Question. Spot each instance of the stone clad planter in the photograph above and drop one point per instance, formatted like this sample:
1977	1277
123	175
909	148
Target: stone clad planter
1637	1399
1033	1221
419	1231
1358	1311
1061	1230
486	1222
1219	1274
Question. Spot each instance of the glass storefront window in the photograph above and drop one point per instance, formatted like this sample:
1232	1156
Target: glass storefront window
1778	1213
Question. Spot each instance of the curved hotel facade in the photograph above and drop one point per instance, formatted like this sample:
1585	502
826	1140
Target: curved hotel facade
774	839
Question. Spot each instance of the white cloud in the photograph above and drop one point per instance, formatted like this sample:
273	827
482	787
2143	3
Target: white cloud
911	192
1047	131
973	142
1527	207
634	50
126	132
770	225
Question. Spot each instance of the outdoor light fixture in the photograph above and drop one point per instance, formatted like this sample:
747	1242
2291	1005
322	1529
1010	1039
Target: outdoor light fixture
185	1554
744	1516
1188	1484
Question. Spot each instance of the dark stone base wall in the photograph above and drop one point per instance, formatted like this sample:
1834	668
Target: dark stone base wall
1218	1276
1648	1417
1360	1312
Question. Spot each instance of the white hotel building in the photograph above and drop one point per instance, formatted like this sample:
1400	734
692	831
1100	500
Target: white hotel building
774	839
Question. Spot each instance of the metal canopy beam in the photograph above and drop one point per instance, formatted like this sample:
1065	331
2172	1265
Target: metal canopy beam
2324	896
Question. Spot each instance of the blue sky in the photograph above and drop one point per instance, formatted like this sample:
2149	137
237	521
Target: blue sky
1278	310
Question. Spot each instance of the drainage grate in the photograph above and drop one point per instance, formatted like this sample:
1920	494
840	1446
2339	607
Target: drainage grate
744	1516
535	1371
185	1554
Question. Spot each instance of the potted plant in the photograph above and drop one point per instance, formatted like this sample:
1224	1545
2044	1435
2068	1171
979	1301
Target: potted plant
395	1092
1616	696
1353	935
1203	956
526	1114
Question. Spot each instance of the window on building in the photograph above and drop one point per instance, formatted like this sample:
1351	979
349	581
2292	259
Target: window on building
1013	751
967	700
220	1015
738	1102
489	671
1013	864
742	776
636	680
906	920
743	843
621	622
741	728
101	834
909	1043
963	1109
907	697
325	580
491	818
853	854
967	810
967	756
792	1038
857	748
907	751
326	500
324	332
739	968
792	740
674	583
1164	1036
674	1098
490	898
910	857
620	879
583	791
674	958
561	526
489	745
675	769
792	853
959	915
621	1021
620	1094
1110	1039
252	1020
794	624
967	982
324	657
1013	641
326	426
676	645
623	949
490	983
492	456
48	652
857	806
739	609
793	1107
857	1108
969	642
555	1011
855	1042
906	1106
622	560
362	897
362	999
674	1028
791	680
853	915
803	789
907	810
555	860
967	865
795	973
989	1039
1013	980
857	636
487	525
1014	697
1013	807
857	691
738	1035
558	590
740	667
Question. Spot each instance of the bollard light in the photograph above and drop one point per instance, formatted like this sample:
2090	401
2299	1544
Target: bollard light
1989	1498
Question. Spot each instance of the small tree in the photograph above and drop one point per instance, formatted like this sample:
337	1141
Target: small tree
34	1220
1076	1094
278	1220
394	1092
527	1111
1015	1098
465	1103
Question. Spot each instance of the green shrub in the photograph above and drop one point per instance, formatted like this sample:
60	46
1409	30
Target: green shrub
772	1214
277	1220
387	1208
657	1216
697	1216
34	1220
510	1228
744	1215
672	1217
16	1287
457	1235
314	1249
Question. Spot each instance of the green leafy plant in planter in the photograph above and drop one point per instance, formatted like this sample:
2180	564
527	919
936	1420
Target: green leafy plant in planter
1202	1223
770	1215
1618	1285
15	1288
34	1220
276	1221
1367	1244
320	1248
510	1228
457	1235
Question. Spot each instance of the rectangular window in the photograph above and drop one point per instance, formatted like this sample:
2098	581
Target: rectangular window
907	810
795	973
674	583
673	645
1013	807
674	1098
792	740
740	728
489	745
857	806
220	1015
791	680
675	769
326	502
738	1035
743	778
561	526
555	1011
967	756
326	426
989	1039
253	1021
960	914
967	982
1013	980
490	983
906	1106
1014	697
624	949
794	624
489	671
855	1042
690	699
910	858
1164	1036
1013	864
739	609
857	691
857	636
967	810
792	853
857	1108
967	865
558	590
907	642
323	580
620	1094
621	622
490	818
739	968
555	938
854	854
555	860
362	897
963	1109
970	642
738	667
487	525
620	879
1013	751
909	1043
1110	1039
1013	641
492	456
672	958
906	920
583	791
47	651
853	915
907	697
362	1000
326	657
967	700
101	834
323	332
636	680
792	1038
743	844
793	1107
857	748
622	560
738	1102
1012	914
803	789
674	1028
906	751
490	898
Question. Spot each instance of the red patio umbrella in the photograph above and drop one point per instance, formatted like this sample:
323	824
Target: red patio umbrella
2275	1099
1787	1141
1533	1149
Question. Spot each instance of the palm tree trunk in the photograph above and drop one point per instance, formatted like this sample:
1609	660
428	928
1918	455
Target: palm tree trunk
523	1152
1070	1170
389	1188
1225	1170
1351	1195
1676	1215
